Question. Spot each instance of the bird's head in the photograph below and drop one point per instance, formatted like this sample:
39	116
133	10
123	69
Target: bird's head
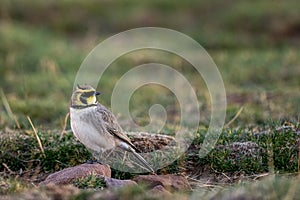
84	95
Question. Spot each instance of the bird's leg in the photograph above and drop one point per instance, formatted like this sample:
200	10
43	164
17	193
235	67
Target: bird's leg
99	154
93	158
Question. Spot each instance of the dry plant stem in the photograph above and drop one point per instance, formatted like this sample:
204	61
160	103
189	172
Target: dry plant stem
8	109
5	165
202	185
36	136
235	117
299	158
64	126
261	175
271	159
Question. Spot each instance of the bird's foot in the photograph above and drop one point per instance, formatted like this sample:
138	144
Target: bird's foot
95	161
92	160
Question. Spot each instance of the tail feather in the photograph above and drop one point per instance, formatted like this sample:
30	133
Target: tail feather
126	147
143	161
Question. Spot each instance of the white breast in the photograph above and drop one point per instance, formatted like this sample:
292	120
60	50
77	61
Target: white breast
88	130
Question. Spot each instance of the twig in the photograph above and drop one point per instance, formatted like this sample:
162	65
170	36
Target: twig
226	176
205	184
270	153
261	175
235	117
37	136
5	165
8	109
124	157
64	126
222	174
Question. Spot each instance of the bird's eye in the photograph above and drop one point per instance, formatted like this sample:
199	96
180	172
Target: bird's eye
85	95
88	94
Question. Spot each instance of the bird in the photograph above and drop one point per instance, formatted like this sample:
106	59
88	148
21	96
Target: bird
96	127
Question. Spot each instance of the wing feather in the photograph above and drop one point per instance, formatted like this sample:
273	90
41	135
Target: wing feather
112	126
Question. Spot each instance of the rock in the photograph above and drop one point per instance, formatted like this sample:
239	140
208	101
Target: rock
51	191
159	191
104	194
68	175
116	183
61	191
170	182
148	142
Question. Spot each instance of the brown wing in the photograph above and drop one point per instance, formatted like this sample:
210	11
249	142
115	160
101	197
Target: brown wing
112	126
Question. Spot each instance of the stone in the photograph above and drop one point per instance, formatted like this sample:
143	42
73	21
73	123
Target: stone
113	183
61	191
50	191
170	182
159	191
68	175
148	142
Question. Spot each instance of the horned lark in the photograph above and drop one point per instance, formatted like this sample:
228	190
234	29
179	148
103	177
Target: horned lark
96	127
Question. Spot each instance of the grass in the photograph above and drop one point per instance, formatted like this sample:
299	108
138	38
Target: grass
254	45
25	154
276	187
91	181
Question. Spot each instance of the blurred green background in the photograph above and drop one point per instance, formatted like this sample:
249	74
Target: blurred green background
255	44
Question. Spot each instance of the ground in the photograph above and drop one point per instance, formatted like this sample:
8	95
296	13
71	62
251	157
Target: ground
254	45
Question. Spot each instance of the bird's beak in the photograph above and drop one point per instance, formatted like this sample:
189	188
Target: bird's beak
97	93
